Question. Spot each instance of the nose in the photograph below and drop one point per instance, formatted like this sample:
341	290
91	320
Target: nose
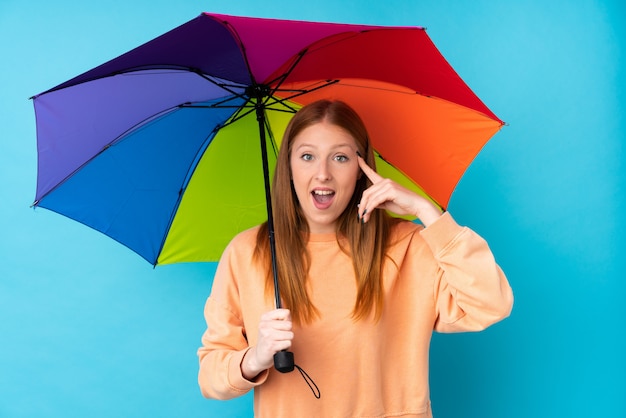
323	171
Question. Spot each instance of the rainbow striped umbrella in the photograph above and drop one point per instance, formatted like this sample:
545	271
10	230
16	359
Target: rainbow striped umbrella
161	148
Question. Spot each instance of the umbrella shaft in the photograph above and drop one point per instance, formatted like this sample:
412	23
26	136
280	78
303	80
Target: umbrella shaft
260	114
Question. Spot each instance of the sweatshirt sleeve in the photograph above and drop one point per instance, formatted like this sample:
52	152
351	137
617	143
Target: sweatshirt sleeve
471	292
224	343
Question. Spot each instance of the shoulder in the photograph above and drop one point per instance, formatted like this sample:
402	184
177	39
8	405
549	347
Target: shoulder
444	229
402	230
246	237
437	236
236	273
243	244
403	234
238	257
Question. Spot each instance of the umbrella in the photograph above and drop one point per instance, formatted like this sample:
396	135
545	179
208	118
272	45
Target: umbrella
169	148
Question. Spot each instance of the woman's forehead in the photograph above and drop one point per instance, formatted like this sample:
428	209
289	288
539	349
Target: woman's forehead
324	134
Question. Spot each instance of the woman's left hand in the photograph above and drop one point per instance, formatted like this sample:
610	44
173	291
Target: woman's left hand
387	194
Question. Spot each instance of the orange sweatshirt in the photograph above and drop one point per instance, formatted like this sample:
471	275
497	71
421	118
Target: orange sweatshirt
443	277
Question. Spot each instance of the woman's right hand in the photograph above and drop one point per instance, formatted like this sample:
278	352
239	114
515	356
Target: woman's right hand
275	334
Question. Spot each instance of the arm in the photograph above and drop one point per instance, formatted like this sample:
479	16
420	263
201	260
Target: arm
471	291
224	347
225	341
234	359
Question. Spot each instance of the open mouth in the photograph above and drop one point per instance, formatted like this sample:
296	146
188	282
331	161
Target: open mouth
322	198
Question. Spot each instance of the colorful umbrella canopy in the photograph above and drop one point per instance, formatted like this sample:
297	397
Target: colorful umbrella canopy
159	148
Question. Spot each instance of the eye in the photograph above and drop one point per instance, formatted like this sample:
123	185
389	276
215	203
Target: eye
341	158
306	157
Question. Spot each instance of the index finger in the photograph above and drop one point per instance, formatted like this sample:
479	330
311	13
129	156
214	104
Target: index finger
369	171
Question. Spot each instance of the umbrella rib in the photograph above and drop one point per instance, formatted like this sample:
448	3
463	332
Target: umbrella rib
234	118
126	72
238	115
268	128
237	39
271	103
281	79
298	93
228	87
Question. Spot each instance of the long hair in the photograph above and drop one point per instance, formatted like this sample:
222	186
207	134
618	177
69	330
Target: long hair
366	243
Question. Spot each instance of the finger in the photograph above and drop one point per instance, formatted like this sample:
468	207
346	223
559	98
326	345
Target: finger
276	320
367	170
375	197
280	325
265	350
277	315
271	335
268	336
268	328
277	346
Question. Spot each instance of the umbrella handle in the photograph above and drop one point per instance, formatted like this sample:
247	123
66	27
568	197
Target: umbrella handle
283	361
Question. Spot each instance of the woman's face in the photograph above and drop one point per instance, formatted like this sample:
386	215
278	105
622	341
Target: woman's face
324	171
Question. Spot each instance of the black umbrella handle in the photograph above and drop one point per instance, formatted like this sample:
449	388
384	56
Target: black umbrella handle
284	362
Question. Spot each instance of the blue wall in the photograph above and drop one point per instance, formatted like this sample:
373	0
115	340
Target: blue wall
88	329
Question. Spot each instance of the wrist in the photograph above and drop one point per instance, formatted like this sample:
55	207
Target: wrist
249	366
429	213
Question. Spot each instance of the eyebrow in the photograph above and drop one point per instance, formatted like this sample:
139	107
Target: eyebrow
342	145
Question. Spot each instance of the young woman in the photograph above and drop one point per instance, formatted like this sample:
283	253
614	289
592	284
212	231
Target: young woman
362	291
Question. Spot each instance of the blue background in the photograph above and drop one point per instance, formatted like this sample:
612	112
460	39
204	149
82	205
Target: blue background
87	328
